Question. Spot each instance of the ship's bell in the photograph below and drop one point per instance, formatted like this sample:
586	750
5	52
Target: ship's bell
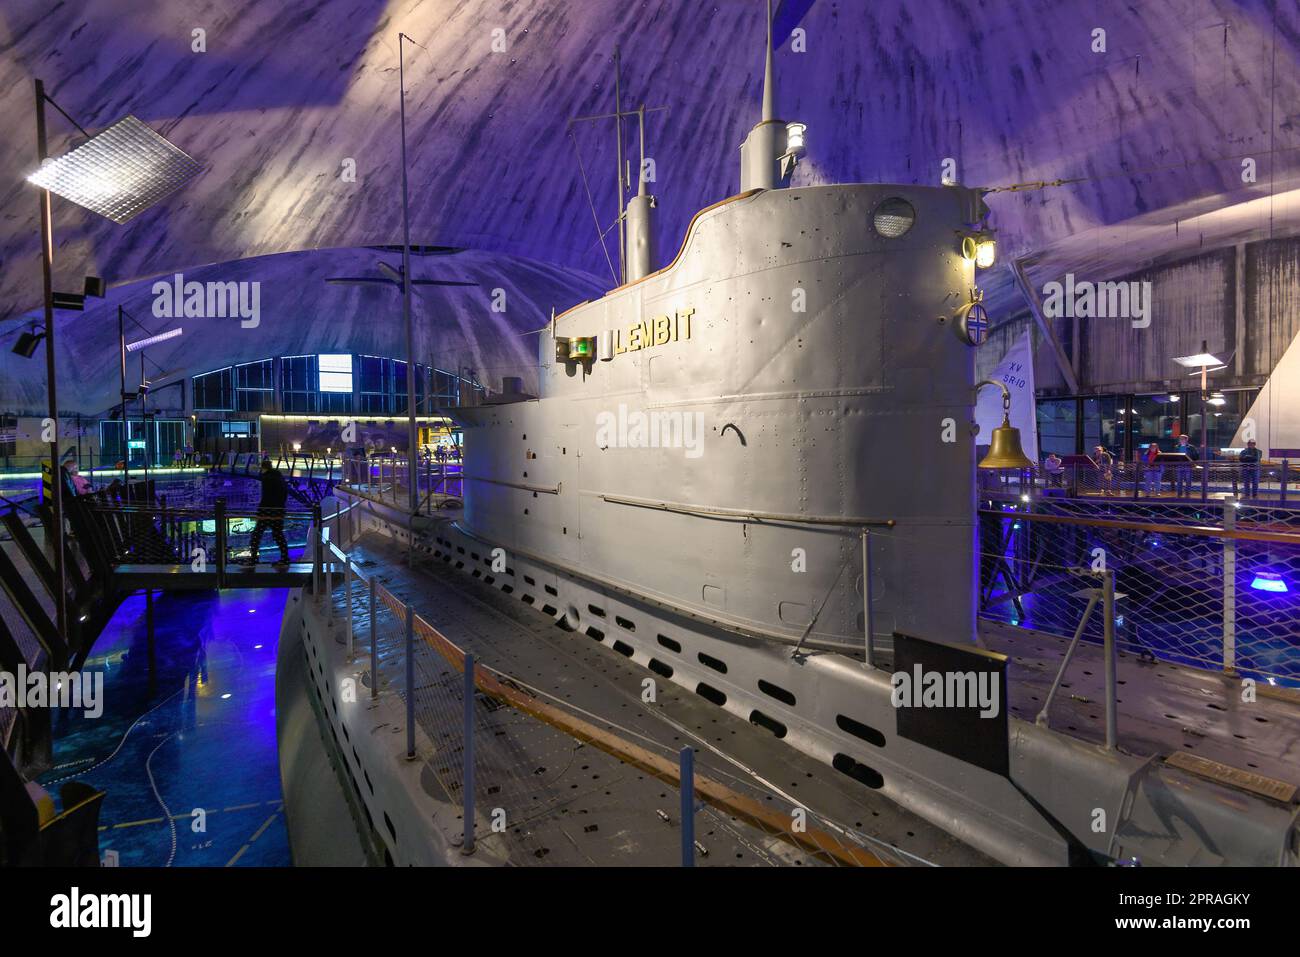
1005	451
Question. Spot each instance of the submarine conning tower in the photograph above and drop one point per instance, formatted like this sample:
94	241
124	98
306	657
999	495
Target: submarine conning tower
716	436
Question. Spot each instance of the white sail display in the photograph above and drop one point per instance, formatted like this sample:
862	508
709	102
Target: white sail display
1016	371
1274	419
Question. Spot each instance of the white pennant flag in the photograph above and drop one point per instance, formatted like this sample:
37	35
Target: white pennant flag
1016	372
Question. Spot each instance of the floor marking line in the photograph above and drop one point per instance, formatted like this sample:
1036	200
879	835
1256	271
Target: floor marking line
241	807
148	820
238	854
265	825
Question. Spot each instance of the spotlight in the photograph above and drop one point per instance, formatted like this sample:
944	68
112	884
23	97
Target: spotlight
119	172
979	248
27	342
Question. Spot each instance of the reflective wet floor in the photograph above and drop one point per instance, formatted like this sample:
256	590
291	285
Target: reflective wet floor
186	746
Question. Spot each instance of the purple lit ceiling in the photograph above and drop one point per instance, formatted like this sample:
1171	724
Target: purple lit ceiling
286	92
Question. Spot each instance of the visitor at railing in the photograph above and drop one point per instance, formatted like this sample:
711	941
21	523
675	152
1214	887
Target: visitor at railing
270	513
1249	459
1152	473
1105	463
1054	469
1184	475
73	480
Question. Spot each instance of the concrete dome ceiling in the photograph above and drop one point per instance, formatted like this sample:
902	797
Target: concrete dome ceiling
285	93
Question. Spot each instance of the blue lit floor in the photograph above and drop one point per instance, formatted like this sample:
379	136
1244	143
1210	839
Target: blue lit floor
196	732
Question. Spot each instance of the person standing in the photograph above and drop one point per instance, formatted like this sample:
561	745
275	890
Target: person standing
1154	473
1249	459
1105	463
1054	468
270	513
1185	473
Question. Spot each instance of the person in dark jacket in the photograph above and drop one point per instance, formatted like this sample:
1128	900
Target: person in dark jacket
270	513
1249	459
1184	474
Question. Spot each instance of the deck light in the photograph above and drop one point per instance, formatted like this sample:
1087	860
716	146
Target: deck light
1269	581
795	138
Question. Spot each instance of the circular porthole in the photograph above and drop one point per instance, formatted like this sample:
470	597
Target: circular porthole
893	217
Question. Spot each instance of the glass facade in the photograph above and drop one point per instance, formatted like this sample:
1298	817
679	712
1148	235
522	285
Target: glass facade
254	387
329	384
1102	425
214	391
154	441
1058	421
1153	418
1126	424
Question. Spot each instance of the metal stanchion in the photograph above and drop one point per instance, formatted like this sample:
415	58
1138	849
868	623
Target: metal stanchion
867	619
315	551
467	846
687	756
1108	608
410	683
327	574
1229	588
347	599
220	528
374	644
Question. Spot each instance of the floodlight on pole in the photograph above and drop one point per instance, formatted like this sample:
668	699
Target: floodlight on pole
118	173
1204	362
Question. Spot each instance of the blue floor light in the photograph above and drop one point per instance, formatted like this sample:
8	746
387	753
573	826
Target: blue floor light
1269	581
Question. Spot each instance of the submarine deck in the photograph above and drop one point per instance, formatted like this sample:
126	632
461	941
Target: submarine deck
584	806
1163	708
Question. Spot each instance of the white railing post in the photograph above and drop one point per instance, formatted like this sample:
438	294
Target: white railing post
347	599
1108	632
1229	587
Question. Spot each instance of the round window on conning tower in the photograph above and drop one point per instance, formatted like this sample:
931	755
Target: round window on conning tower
893	217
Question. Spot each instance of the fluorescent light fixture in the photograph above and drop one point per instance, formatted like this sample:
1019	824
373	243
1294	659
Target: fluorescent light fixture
161	337
119	172
335	372
1218	401
1198	360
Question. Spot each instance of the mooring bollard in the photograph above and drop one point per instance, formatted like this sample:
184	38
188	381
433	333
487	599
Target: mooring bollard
688	806
467	846
410	682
